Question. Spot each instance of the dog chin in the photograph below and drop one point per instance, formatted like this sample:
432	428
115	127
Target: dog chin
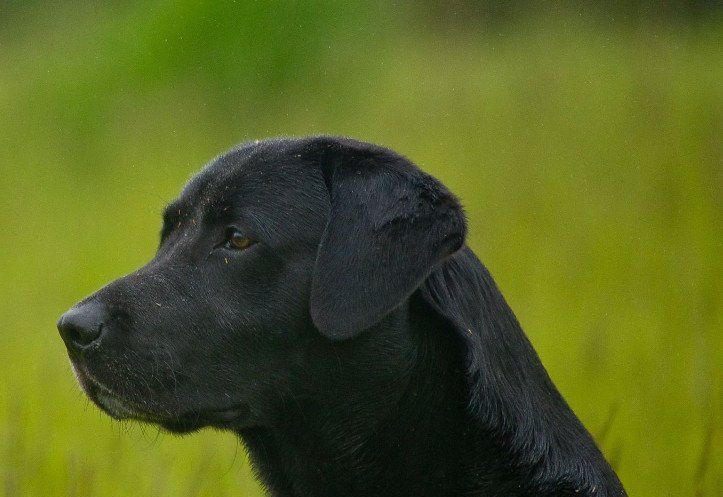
232	417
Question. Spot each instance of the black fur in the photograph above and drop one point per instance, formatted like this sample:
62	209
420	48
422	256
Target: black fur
359	348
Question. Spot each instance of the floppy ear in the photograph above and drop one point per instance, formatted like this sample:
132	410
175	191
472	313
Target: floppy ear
389	226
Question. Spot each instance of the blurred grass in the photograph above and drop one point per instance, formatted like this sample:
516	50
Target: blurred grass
587	152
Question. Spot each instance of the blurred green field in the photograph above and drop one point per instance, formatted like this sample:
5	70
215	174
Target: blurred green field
587	150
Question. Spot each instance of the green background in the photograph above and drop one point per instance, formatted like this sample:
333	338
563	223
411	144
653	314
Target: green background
584	140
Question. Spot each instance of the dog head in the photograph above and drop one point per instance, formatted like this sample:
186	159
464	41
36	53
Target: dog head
273	247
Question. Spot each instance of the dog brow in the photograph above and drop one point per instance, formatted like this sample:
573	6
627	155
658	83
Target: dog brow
174	211
218	210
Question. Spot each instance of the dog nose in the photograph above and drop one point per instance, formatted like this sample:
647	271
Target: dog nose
82	325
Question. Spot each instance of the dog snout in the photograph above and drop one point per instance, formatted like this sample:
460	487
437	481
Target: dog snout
82	326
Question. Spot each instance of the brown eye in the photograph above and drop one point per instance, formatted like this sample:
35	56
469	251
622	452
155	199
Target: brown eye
237	240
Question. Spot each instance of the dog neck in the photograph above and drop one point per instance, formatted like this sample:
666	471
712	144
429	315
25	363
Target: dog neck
394	397
426	403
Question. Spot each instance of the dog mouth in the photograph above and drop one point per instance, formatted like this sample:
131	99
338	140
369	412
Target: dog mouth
107	400
120	408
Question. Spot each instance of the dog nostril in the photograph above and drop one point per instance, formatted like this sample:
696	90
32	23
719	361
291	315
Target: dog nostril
81	326
83	336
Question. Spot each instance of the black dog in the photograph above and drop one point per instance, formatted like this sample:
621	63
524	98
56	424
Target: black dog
316	297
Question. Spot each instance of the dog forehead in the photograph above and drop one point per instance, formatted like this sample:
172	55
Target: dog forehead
260	171
273	187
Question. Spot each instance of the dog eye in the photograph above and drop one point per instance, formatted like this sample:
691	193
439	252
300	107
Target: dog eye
237	241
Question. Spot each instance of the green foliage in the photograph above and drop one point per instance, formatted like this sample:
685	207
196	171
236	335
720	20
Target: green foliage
587	152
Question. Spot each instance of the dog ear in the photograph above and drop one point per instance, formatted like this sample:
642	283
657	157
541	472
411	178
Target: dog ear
389	226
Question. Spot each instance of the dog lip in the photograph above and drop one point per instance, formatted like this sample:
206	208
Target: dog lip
103	396
120	408
115	406
217	416
228	417
230	414
87	380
